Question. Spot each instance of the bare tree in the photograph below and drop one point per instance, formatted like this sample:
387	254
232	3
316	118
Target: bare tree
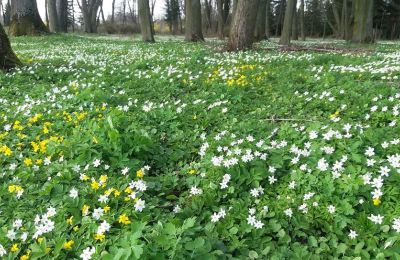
301	20
193	24
89	10
25	18
145	21
363	16
53	16
62	13
242	28
8	59
287	24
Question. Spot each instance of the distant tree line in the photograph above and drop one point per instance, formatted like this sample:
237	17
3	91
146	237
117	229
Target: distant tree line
242	21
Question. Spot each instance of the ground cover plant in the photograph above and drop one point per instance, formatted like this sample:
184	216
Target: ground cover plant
117	150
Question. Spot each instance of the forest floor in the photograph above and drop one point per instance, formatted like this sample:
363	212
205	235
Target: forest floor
114	149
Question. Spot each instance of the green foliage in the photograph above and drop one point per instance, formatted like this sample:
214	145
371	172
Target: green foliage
127	151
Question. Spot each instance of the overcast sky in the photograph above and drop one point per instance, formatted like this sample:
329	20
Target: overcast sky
159	9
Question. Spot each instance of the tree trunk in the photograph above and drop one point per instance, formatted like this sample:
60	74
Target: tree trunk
25	18
337	19
220	12
287	23
145	21
113	11
301	18
193	31
295	33
8	59
242	29
267	20
363	27
53	16
89	10
259	32
62	12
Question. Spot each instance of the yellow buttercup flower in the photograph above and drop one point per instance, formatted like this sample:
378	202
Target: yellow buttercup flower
106	209
124	219
99	237
14	248
68	245
69	220
140	173
376	202
28	161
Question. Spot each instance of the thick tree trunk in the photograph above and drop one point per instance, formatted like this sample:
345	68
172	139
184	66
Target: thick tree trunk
220	12
53	16
301	19
8	59
287	23
242	29
193	30
145	21
25	18
62	12
363	27
89	10
259	32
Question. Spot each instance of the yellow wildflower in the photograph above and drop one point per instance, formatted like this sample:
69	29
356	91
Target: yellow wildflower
69	220
14	248
68	245
140	173
28	161
106	209
124	219
99	237
377	202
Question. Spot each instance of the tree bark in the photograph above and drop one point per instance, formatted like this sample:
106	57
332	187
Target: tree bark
89	10
267	20
363	26
113	11
259	32
287	23
220	12
193	30
295	33
242	29
25	18
145	21
53	16
62	12
8	59
301	18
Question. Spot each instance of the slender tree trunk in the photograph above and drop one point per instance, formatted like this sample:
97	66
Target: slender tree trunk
287	24
53	16
145	21
234	8
301	18
113	11
8	59
62	12
221	23
242	29
25	18
259	32
363	27
337	19
46	12
295	33
193	30
267	20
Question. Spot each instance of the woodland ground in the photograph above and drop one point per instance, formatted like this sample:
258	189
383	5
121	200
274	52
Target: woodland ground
113	149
